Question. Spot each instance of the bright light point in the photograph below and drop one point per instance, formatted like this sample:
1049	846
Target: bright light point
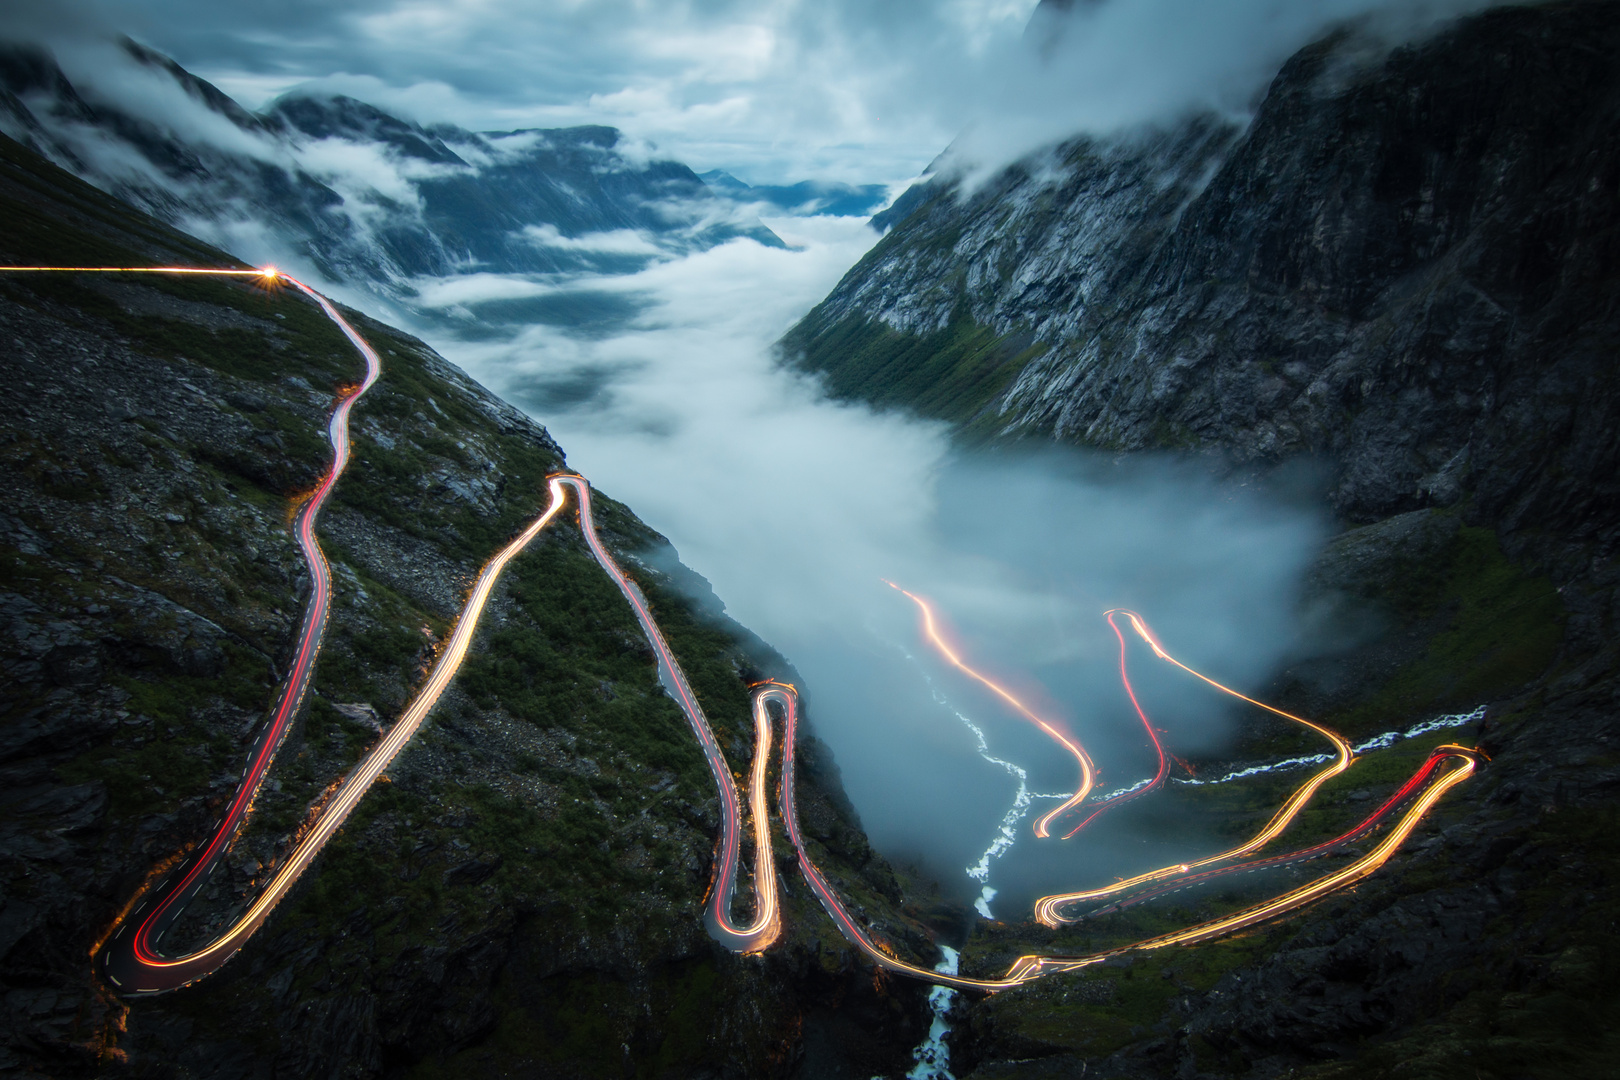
270	273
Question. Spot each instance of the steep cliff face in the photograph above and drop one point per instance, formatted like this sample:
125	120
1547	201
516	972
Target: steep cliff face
523	894
1405	265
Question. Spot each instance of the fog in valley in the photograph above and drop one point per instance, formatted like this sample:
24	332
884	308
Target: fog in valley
664	388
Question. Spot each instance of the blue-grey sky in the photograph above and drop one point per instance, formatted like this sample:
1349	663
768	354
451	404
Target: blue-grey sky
774	90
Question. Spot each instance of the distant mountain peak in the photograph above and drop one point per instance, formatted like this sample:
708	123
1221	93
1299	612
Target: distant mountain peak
338	116
436	201
807	197
721	180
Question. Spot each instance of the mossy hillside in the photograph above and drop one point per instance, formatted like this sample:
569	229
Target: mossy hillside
1485	628
951	374
410	428
580	1021
1501	628
55	219
299	342
580	661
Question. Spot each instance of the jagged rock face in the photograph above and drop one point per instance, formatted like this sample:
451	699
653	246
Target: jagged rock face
459	199
1405	265
523	894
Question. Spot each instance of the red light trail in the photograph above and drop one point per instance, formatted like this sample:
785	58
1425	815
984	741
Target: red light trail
1087	770
1048	909
757	935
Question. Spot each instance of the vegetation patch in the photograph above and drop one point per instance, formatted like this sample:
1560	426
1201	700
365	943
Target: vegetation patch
951	374
1498	628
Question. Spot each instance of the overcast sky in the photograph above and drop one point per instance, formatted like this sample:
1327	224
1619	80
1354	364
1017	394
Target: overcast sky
775	90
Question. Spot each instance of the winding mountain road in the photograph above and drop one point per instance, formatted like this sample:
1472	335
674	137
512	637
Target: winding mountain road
134	962
131	959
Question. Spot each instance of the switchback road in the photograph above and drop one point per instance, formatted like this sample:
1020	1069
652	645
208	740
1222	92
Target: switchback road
133	959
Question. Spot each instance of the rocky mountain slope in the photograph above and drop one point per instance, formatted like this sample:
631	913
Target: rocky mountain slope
1403	270
365	196
1404	265
522	897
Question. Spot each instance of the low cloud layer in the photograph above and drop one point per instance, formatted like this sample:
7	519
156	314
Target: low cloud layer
797	509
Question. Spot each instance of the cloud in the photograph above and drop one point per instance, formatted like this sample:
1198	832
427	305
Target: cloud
771	90
617	242
465	289
796	508
106	74
1116	64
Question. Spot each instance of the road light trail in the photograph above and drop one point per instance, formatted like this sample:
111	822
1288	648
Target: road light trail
757	935
132	958
1465	761
1088	771
268	272
1049	909
1362	829
1034	966
787	697
1158	747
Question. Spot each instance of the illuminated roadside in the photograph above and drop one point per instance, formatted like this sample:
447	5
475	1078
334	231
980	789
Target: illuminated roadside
766	925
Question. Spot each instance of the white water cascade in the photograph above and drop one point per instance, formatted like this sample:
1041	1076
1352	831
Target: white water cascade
933	1057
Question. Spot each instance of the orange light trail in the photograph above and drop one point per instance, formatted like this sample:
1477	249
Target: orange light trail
766	926
1048	909
1087	770
133	961
1347	876
1371	822
1158	747
1033	966
269	272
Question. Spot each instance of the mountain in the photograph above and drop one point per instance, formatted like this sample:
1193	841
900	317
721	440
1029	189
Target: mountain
1395	285
805	197
1405	267
365	196
522	894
